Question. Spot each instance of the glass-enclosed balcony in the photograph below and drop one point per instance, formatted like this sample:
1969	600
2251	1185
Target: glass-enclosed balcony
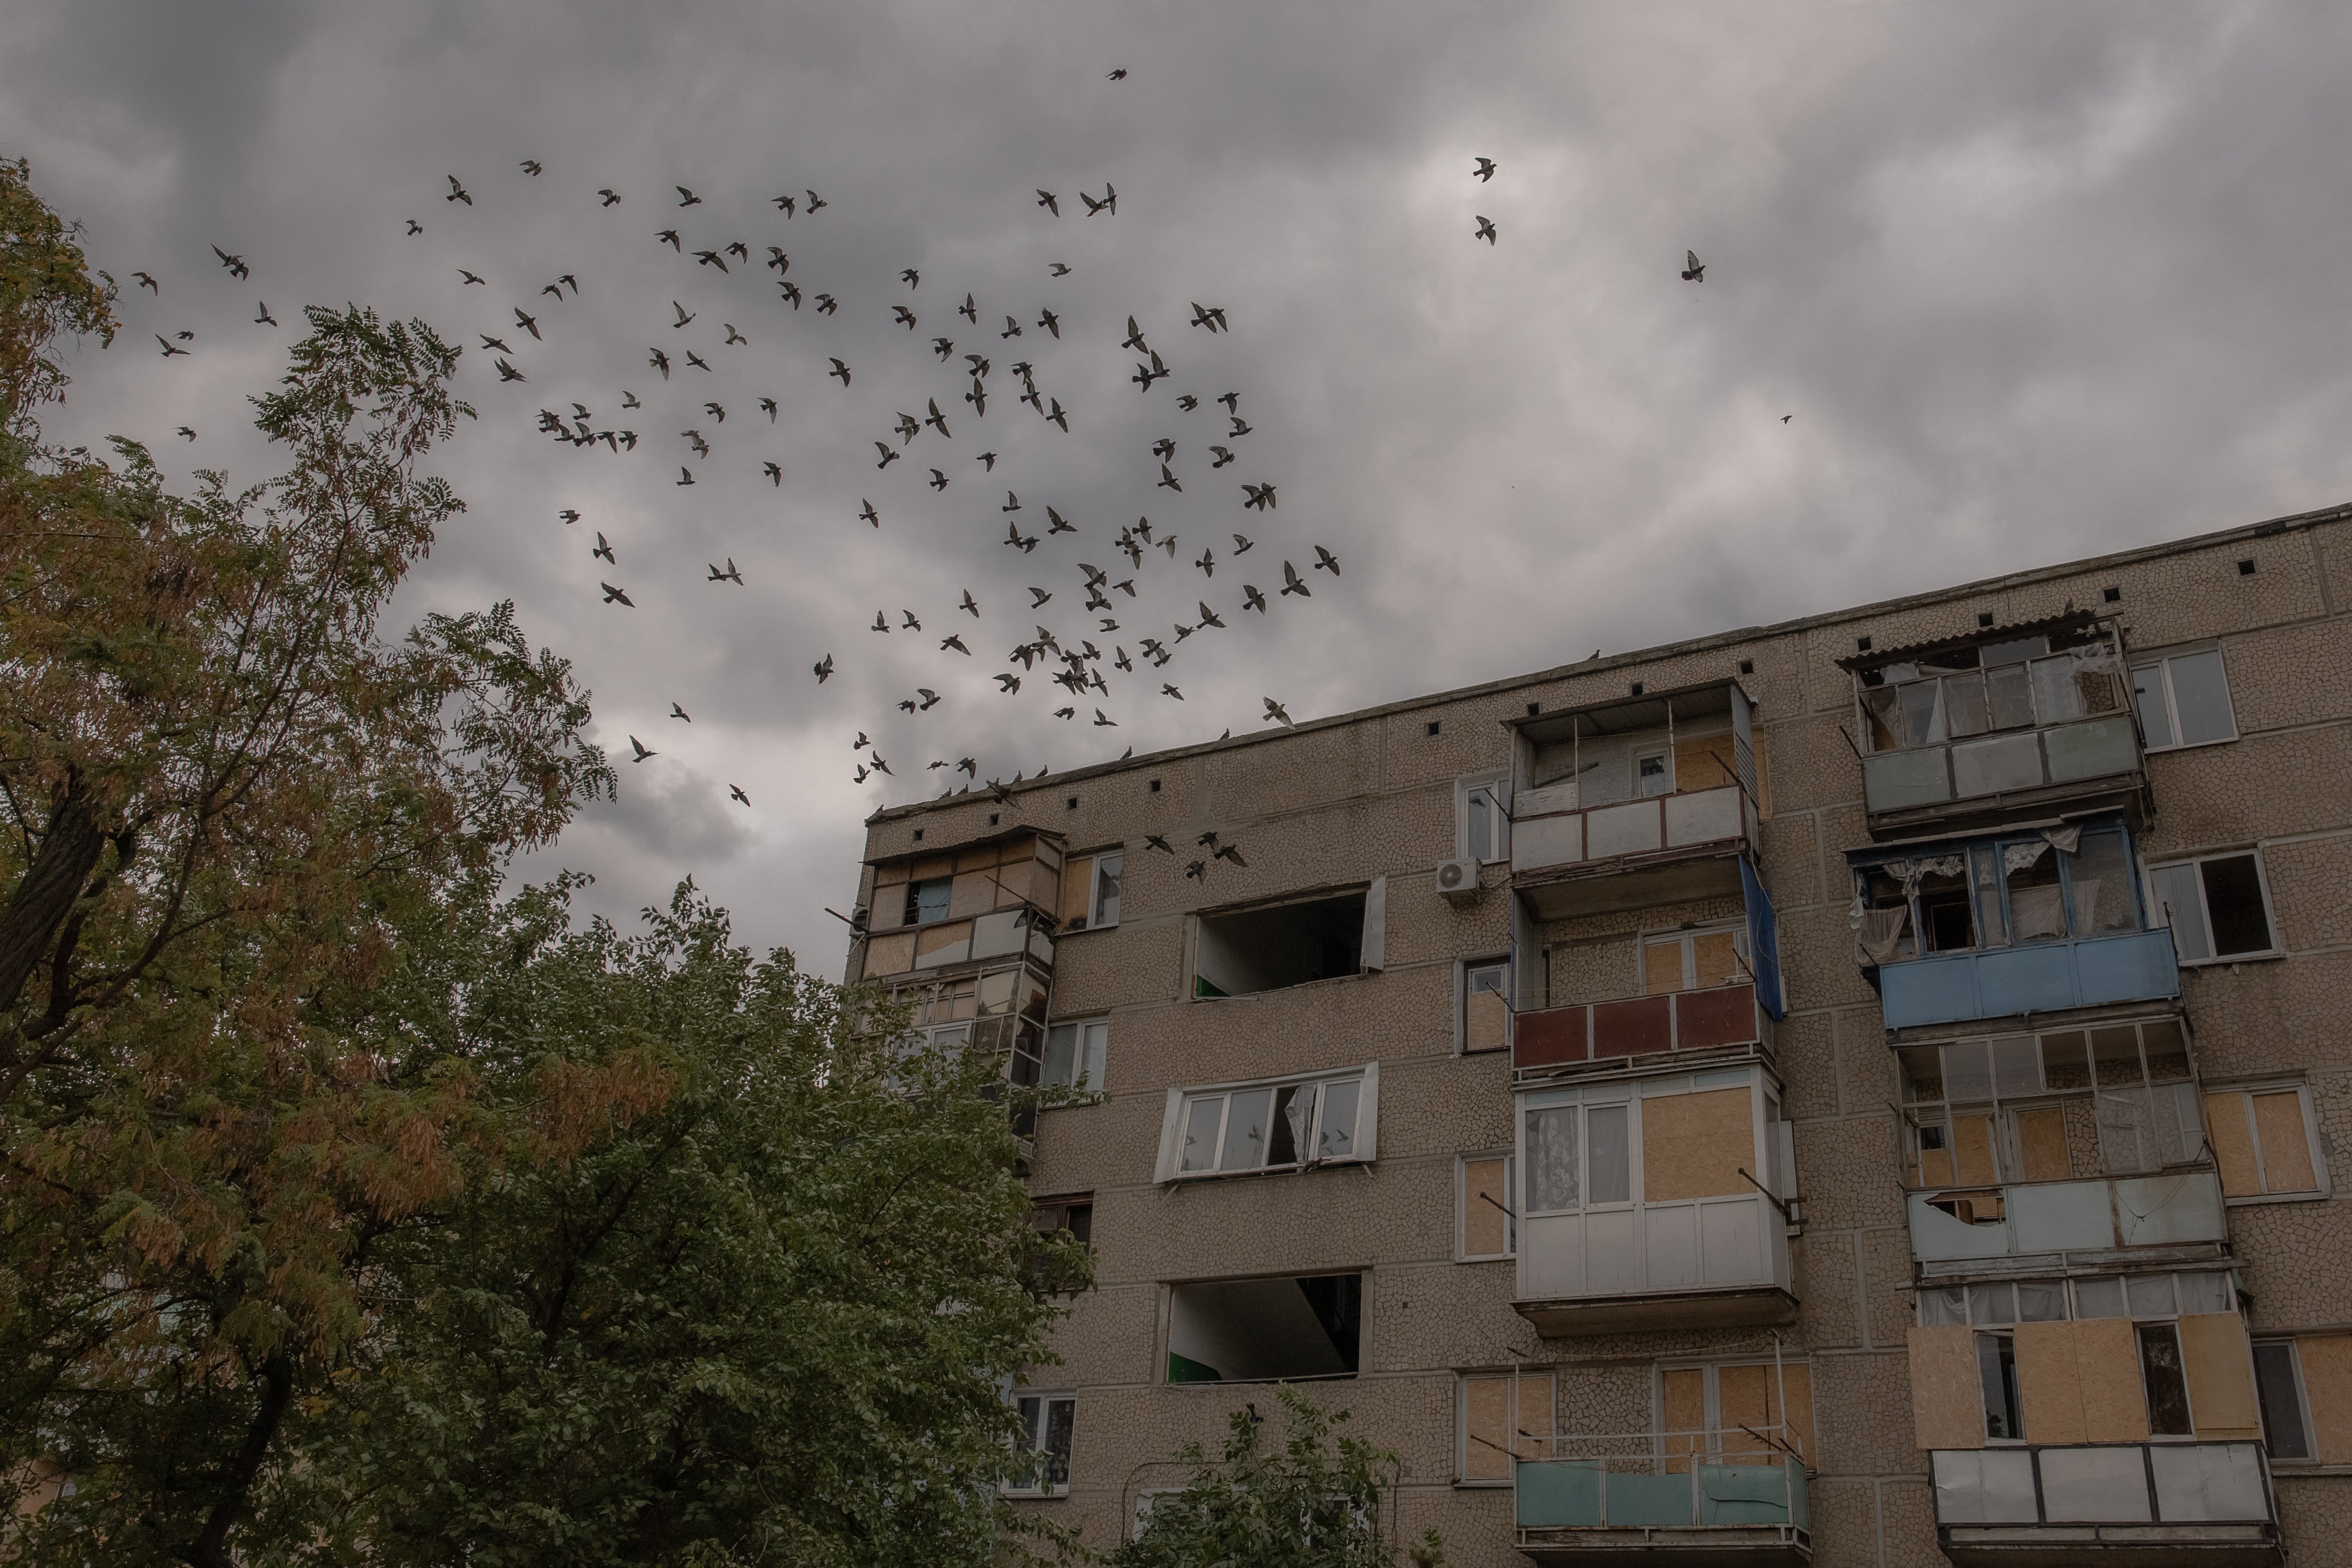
2168	1505
1684	1496
2034	921
2068	1140
2025	715
982	904
1634	803
1662	1201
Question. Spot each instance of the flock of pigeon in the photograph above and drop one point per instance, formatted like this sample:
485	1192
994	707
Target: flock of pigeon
1076	663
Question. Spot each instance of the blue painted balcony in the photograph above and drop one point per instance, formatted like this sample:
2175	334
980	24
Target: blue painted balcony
1638	1504
2165	1505
2035	977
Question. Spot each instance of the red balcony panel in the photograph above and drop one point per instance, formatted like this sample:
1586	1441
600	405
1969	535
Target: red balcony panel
1633	1029
1725	1015
1549	1037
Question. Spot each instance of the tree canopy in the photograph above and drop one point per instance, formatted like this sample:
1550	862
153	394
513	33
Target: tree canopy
354	1209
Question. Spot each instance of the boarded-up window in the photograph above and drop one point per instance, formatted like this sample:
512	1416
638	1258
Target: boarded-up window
1488	1227
2327	1386
1502	1418
1707	763
892	955
2080	1381
2219	1371
1077	890
1736	1413
1485	1012
2261	1140
1696	1145
1945	1399
1691	960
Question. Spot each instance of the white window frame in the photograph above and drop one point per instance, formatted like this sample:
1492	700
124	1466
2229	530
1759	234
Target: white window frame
1113	862
1462	1162
1087	1045
1666	773
1178	1113
2158	911
1046	1399
1497	786
1743	972
2162	664
2302	1089
1461	969
1523	1377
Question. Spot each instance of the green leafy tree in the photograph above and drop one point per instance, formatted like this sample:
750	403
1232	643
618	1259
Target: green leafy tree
1313	1501
770	1320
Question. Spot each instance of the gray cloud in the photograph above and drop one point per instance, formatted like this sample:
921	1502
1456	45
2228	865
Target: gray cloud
2033	283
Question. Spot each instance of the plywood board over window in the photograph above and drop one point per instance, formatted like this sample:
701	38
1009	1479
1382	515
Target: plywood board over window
2079	1382
1707	763
1947	1410
2221	1370
1748	1400
2262	1142
1695	1145
1504	1418
2328	1385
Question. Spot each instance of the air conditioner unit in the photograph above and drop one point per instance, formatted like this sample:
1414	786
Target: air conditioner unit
1459	879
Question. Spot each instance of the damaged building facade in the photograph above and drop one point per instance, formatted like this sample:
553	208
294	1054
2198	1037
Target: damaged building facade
1861	1090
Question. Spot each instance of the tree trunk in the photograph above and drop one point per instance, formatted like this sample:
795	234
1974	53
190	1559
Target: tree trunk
69	851
210	1548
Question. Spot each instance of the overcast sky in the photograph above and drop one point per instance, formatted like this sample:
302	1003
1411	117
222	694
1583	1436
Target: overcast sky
2034	281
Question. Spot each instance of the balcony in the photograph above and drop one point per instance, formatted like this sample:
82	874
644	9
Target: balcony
1634	803
2193	1505
1720	1019
1621	1499
2019	769
2039	1218
2039	977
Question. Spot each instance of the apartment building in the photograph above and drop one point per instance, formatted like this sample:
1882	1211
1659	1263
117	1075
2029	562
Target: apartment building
1847	1092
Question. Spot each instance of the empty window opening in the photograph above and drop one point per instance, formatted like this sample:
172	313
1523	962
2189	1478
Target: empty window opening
2184	700
2014	683
1433	724
1074	1053
1534	708
918	835
2245	568
928	900
1053	1269
1984	617
2111	596
2064	1106
1747	667
1636	689
1153	787
2278	1382
1250	951
992	820
1264	1330
2216	907
2166	1383
1073	803
1862	645
1042	1453
2075	881
1997	1381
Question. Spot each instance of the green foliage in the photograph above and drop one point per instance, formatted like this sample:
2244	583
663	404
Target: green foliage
1312	1502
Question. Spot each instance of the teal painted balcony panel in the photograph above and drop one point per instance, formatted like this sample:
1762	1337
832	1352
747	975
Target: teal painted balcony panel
2034	977
1606	1494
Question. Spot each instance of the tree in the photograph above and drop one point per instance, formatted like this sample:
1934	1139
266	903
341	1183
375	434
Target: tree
224	795
767	1321
1314	1502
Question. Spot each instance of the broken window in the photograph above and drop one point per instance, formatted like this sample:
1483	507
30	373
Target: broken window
1996	1384
1249	950
1090	890
928	900
1486	1006
1652	776
2184	700
1050	1269
1482	824
1262	1331
1074	1053
1042	1450
2164	1380
1503	1416
1694	960
2018	684
2262	1141
2278	1383
2139	1296
2061	1105
1485	1223
2217	906
1271	1126
2070	881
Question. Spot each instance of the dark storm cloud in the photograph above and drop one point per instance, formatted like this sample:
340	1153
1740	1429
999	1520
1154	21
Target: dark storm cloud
2034	282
